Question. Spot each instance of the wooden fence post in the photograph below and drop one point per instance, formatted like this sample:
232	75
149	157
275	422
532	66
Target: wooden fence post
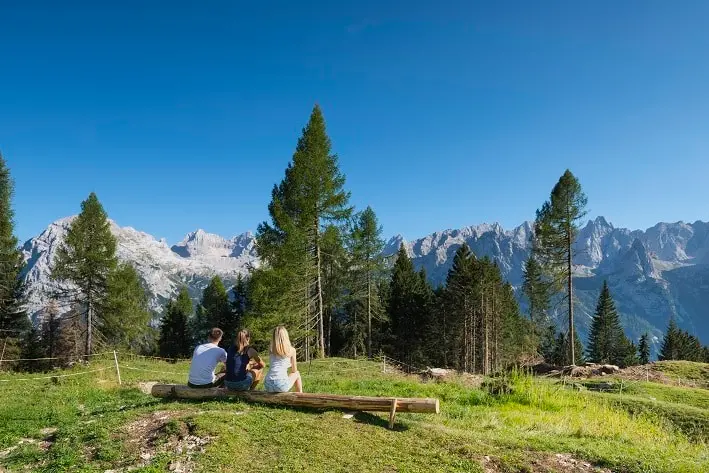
118	371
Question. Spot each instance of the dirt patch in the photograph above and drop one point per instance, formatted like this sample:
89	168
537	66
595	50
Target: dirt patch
540	463
164	432
48	439
146	388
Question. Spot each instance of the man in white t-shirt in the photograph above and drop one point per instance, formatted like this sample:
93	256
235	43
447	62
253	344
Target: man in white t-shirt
205	359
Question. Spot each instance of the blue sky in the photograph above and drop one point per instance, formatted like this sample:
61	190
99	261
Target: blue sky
182	115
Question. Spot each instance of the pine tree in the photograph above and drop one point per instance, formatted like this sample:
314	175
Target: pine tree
458	321
13	319
536	290
33	349
548	345
87	258
50	328
217	310
644	349
126	314
556	228
175	339
310	197
690	349
368	266
407	310
607	342
240	303
670	349
705	354
627	354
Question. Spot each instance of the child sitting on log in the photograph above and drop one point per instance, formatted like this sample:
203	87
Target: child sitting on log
244	367
282	357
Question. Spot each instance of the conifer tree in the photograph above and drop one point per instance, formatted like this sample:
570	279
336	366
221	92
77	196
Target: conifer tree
556	228
126	314
607	343
670	349
217	310
690	349
175	339
548	345
459	321
12	317
33	348
310	197
644	349
87	258
368	266
241	300
407	299
50	328
536	290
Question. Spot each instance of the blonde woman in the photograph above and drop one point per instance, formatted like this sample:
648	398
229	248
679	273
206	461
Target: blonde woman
244	367
282	357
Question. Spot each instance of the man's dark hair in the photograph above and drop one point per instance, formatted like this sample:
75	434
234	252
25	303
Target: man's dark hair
215	334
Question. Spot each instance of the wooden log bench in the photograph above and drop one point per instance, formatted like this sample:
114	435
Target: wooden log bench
391	405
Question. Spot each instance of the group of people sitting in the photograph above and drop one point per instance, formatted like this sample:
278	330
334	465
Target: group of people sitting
244	367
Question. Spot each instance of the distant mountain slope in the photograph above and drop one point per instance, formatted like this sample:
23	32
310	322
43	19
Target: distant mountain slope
192	262
653	274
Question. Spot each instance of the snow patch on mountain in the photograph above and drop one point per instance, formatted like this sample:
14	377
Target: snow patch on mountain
192	262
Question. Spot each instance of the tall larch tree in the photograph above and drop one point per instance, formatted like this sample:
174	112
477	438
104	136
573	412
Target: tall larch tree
86	259
13	319
310	197
556	228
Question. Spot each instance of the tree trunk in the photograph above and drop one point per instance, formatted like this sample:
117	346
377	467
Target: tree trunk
321	328
89	323
312	400
571	297
369	315
355	333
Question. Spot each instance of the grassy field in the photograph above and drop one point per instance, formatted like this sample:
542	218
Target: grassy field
88	423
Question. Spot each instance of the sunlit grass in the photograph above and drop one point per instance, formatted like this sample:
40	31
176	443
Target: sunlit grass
535	418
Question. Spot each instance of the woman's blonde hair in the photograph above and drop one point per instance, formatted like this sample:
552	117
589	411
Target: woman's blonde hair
243	339
280	342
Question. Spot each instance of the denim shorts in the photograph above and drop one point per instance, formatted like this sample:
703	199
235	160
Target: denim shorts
243	385
280	385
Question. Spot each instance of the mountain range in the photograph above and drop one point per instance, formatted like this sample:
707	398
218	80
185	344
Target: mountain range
653	274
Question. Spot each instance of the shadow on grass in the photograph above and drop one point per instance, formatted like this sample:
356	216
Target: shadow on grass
360	417
371	419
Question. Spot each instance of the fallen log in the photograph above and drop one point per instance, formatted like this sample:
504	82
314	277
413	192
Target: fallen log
312	400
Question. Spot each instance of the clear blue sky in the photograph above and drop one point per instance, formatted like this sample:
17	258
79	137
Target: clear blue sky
182	115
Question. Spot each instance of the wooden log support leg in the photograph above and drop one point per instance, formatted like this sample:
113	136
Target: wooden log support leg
392	413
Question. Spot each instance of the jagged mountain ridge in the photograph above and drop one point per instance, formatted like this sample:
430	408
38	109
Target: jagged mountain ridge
164	269
653	274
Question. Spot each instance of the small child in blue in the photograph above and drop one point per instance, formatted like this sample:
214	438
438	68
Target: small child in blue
282	357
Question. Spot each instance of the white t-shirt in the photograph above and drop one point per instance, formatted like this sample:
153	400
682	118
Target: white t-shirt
204	360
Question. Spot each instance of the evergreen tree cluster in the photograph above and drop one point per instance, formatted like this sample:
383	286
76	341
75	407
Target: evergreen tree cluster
679	344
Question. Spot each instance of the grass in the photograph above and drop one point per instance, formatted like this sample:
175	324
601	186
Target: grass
685	371
101	426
